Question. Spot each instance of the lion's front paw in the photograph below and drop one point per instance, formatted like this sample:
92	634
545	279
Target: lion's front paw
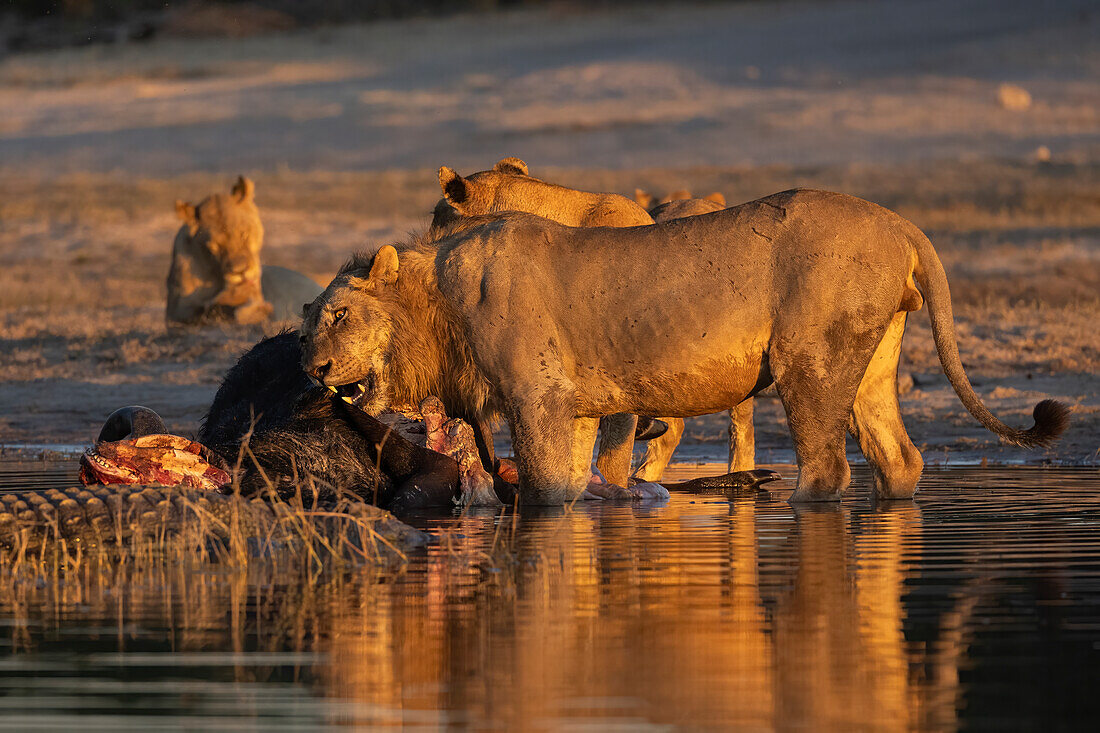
649	491
599	489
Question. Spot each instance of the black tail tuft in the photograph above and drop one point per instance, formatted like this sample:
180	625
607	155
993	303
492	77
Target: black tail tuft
1051	420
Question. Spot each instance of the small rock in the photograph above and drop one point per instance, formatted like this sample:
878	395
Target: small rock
1042	154
1013	97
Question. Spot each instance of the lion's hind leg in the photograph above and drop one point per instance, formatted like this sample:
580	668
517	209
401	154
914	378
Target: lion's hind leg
823	471
817	376
876	421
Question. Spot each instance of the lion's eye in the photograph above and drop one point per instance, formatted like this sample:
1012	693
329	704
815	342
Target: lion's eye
338	315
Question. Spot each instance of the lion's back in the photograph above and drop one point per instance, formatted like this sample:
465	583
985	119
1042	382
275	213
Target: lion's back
789	241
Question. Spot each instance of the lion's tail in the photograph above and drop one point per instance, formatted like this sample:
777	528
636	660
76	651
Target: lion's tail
1051	417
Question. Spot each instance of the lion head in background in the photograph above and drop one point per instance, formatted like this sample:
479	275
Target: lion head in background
650	202
509	186
215	272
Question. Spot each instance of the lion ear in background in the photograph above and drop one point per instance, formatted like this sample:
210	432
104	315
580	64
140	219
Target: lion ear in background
244	189
716	198
644	198
511	165
455	188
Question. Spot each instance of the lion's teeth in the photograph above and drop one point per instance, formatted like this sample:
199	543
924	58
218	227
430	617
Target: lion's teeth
332	389
347	399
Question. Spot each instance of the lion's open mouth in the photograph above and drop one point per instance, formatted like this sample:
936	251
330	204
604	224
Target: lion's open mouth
355	393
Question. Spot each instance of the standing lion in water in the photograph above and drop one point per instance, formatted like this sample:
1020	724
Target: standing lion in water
516	314
508	186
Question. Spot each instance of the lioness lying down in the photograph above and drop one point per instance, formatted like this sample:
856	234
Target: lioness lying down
216	273
516	314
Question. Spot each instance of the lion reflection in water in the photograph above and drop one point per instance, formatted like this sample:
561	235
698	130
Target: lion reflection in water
777	623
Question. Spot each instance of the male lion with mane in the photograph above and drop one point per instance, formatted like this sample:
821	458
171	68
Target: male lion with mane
807	289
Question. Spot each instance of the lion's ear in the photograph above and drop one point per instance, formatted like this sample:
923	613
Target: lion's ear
383	271
244	189
716	198
185	212
455	188
511	165
644	198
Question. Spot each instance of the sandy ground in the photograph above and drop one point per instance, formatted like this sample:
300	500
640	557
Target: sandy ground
342	130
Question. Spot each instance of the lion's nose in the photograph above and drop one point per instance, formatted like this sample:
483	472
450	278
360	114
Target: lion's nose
318	372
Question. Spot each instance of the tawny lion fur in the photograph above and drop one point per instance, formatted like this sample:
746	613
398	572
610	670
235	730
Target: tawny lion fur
806	289
509	186
215	272
686	204
398	328
742	433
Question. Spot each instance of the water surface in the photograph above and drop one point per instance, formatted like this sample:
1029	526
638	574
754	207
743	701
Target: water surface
975	606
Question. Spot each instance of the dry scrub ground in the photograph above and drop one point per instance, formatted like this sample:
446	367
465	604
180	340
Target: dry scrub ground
84	259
